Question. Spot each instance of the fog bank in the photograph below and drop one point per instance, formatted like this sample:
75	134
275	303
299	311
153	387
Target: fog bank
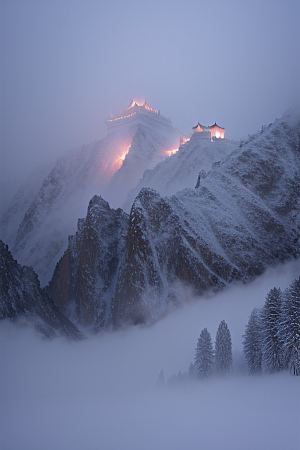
100	393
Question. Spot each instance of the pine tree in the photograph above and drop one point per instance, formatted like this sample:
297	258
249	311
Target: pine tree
252	342
289	329
223	349
161	380
192	370
271	345
204	358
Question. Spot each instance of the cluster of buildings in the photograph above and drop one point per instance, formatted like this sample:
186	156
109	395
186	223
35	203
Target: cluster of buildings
211	132
142	111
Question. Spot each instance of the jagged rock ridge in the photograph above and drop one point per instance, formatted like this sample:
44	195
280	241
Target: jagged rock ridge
85	278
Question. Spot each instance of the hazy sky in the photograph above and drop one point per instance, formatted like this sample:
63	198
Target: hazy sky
66	65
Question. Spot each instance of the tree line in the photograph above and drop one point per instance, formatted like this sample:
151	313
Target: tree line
271	341
272	337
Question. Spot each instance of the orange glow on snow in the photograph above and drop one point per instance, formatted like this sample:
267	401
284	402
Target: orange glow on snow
117	163
184	140
171	152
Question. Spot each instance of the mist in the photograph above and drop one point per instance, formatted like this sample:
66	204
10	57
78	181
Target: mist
67	65
100	392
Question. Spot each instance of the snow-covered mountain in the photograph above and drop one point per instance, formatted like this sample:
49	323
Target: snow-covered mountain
22	296
147	149
14	209
45	209
243	217
181	170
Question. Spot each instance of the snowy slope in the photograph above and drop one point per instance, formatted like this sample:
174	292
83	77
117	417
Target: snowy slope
45	209
14	207
181	170
242	218
148	148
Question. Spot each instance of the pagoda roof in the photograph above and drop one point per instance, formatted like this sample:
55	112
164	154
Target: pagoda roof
145	105
216	125
136	108
204	127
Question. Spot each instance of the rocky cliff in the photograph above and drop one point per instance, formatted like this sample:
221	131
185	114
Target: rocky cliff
84	280
22	296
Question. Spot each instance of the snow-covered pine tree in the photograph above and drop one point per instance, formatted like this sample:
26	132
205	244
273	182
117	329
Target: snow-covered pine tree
289	329
270	319
223	349
204	358
252	342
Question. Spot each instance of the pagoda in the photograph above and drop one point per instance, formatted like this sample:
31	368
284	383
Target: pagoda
214	131
136	112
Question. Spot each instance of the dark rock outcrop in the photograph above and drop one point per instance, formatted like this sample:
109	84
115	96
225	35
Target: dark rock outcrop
85	278
22	296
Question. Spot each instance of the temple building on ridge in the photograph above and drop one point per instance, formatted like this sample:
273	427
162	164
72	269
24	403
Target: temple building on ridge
136	112
212	132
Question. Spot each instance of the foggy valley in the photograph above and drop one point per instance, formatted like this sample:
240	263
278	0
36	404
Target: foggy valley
101	392
150	225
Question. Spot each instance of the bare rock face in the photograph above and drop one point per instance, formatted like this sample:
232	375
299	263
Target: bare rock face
161	249
85	278
242	218
22	296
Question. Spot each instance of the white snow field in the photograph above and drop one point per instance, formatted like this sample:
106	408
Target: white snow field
100	393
